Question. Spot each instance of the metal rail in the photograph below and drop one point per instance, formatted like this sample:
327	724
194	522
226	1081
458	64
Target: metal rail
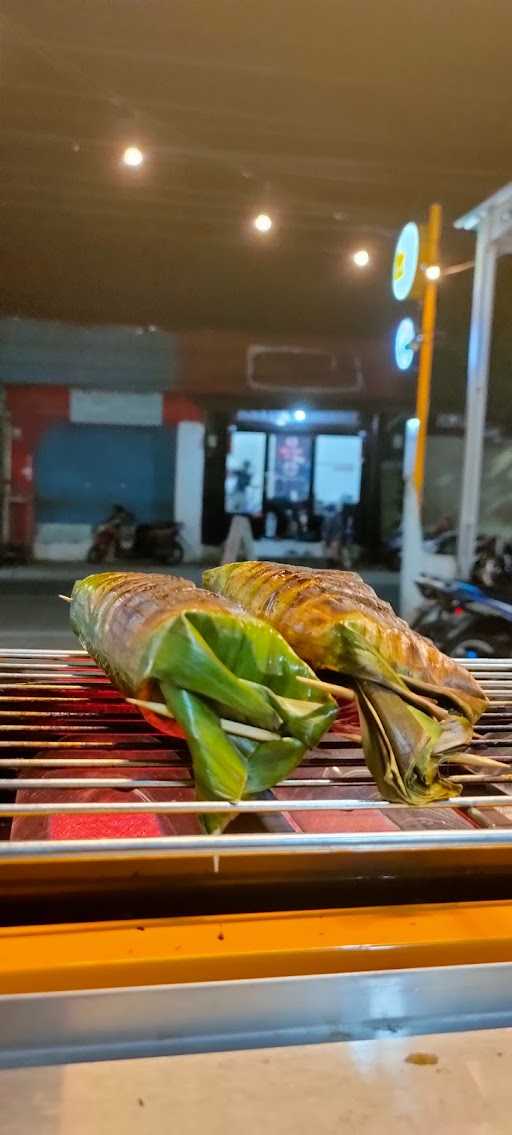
53	1028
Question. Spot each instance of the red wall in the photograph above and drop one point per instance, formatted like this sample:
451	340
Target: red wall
178	408
32	410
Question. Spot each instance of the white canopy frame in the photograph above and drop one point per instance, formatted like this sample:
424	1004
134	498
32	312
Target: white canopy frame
492	223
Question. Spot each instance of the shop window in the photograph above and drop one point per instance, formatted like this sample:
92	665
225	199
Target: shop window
245	471
337	472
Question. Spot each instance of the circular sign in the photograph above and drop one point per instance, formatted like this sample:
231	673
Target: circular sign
406	261
404	340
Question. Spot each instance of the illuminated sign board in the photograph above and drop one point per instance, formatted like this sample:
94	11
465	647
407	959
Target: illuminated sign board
406	261
404	344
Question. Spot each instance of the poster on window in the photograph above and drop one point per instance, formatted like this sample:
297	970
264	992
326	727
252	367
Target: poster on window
289	467
245	468
337	477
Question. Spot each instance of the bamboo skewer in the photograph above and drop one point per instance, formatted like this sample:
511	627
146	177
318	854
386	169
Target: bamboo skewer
408	695
236	728
483	778
473	759
338	735
329	688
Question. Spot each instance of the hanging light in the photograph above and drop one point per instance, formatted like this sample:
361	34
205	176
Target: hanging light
262	223
132	156
361	258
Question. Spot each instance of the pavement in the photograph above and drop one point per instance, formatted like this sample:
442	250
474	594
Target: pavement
32	615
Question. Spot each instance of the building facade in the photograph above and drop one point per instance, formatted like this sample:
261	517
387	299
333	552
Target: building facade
93	420
192	427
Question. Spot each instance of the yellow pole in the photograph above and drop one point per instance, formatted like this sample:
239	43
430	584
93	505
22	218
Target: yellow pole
428	327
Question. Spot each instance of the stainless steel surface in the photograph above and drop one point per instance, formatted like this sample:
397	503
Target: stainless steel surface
205	1017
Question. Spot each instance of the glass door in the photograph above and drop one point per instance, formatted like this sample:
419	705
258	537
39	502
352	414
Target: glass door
337	472
245	472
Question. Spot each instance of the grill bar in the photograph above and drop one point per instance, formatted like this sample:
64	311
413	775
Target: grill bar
82	762
351	776
381	842
203	807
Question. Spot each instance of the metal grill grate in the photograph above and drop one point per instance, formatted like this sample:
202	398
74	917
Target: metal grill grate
60	718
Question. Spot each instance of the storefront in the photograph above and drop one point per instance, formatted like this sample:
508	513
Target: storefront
290	470
92	422
106	415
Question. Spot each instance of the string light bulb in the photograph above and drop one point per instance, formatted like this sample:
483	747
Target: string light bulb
433	271
262	223
361	258
132	157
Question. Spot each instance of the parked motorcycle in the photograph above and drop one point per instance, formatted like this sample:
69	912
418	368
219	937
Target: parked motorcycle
114	537
492	569
11	555
119	537
159	542
464	619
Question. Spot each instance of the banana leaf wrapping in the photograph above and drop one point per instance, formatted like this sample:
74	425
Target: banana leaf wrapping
416	705
161	638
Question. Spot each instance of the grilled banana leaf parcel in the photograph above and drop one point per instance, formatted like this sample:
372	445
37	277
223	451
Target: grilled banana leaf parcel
416	705
162	639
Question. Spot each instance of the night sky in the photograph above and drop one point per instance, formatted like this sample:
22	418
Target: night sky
341	119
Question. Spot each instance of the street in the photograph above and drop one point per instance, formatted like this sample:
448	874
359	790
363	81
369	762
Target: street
32	615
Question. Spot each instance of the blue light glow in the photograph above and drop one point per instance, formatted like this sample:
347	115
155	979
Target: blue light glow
404	339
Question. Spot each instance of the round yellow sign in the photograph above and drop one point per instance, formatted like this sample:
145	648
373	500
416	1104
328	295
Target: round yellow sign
406	261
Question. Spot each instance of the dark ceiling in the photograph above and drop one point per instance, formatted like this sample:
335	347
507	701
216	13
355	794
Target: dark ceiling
342	118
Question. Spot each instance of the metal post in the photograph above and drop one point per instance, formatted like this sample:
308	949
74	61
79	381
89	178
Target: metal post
428	327
412	536
476	396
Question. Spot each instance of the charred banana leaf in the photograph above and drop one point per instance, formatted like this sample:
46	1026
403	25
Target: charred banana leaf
162	639
416	704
